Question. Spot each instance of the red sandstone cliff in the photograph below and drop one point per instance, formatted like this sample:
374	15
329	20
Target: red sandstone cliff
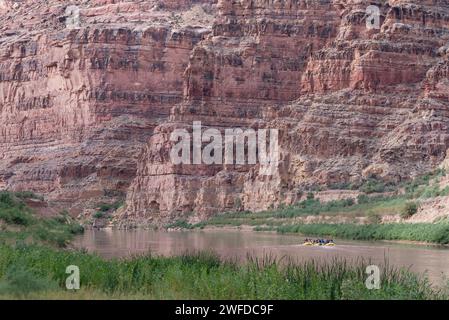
77	105
87	112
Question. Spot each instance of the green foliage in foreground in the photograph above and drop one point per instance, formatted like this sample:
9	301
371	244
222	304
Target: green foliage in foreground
36	272
18	224
425	232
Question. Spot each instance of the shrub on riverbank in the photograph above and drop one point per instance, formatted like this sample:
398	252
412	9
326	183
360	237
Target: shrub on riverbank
20	224
411	208
199	276
13	211
425	232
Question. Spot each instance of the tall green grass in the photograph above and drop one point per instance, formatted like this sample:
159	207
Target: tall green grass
199	276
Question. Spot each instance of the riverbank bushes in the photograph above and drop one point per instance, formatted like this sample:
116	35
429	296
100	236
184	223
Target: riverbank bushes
19	224
424	232
197	276
403	201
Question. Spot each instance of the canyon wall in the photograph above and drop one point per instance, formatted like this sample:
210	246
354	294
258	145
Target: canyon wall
87	112
349	102
78	104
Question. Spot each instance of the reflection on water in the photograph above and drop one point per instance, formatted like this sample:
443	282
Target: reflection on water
236	244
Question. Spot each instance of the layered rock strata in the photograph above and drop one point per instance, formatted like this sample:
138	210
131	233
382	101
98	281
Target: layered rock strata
350	103
78	101
88	109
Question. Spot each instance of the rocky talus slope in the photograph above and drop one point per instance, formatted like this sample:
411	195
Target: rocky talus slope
87	111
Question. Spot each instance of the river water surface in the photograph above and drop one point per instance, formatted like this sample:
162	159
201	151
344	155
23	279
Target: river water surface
238	244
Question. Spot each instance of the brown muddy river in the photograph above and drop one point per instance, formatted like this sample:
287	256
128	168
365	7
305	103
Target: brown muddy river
238	244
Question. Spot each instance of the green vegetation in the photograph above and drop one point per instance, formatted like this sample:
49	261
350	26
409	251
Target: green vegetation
374	205
425	232
426	192
182	224
99	215
424	180
373	185
31	268
106	208
402	200
410	209
14	211
18	224
38	272
20	282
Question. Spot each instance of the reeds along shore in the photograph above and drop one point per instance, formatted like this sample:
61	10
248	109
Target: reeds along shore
35	272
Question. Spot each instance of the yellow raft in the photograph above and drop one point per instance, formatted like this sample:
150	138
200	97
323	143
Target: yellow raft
307	244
